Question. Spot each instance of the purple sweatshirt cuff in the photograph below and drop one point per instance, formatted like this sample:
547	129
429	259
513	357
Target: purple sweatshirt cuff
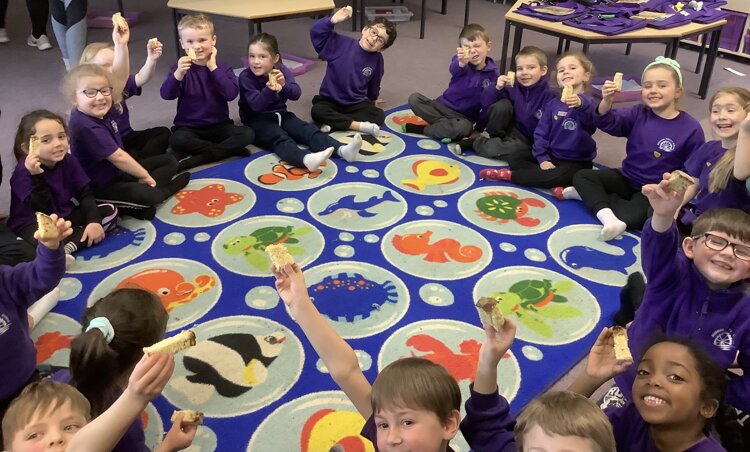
484	402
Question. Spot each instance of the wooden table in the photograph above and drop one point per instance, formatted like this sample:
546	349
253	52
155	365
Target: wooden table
255	11
671	37
359	5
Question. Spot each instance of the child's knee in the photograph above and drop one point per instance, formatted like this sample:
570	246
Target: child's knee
181	139
245	134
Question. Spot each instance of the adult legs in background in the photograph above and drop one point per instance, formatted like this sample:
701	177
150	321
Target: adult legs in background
69	25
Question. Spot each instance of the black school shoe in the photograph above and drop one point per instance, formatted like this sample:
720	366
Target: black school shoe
631	297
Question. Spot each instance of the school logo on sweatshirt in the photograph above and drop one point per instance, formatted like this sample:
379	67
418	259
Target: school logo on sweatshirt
538	114
666	145
724	339
569	124
367	71
486	82
4	323
114	125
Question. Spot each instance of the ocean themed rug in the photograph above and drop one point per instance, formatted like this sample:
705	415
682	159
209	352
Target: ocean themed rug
396	248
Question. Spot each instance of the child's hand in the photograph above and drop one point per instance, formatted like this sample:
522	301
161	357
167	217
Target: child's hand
609	89
154	51
547	165
179	437
64	229
280	79
150	376
211	65
463	57
290	284
183	64
92	234
379	102
33	164
502	80
662	198
496	343
148	180
340	15
573	101
602	364
120	37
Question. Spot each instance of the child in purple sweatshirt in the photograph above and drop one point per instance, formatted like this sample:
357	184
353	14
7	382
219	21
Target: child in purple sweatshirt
713	164
513	108
660	138
265	87
20	286
452	115
203	86
348	98
562	140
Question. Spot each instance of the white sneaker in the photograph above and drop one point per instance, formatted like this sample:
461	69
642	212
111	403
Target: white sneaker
3	36
41	43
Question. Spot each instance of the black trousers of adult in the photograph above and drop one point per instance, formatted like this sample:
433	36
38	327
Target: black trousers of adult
505	139
127	193
38	13
147	143
216	142
13	249
443	121
107	211
340	117
282	132
527	172
601	189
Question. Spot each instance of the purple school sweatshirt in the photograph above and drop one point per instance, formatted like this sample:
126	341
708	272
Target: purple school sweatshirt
120	111
464	91
655	145
488	425
63	181
202	95
528	103
679	301
92	140
565	133
632	433
256	97
699	165
20	286
134	438
352	74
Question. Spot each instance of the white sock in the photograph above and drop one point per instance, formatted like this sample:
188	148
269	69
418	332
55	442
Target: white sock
350	151
42	306
612	226
69	260
571	193
325	128
369	127
313	160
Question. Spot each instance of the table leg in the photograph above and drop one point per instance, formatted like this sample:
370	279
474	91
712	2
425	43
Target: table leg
675	48
361	14
517	36
628	48
703	40
586	47
176	19
357	5
567	45
466	13
668	49
559	46
708	69
422	20
504	54
444	8
120	7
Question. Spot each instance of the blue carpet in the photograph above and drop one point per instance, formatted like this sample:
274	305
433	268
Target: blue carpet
396	248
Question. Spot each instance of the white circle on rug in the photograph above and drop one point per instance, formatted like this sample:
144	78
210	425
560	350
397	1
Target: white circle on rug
374	148
357	298
580	250
311	423
187	289
436	249
432	175
547	307
206	202
239	365
357	206
52	338
267	171
241	246
508	210
153	427
128	241
455	346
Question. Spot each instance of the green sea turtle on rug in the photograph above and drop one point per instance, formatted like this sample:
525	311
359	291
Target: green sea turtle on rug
254	244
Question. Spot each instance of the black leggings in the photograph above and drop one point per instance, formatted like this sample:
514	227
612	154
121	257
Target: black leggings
38	13
142	144
601	189
13	250
527	172
340	117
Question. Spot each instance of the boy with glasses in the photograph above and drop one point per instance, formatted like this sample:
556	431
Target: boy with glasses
348	98
698	289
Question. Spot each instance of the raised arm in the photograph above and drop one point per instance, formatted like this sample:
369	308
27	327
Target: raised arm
121	62
742	156
601	365
336	354
153	52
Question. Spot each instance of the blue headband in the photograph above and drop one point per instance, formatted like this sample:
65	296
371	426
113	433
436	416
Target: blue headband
102	324
673	64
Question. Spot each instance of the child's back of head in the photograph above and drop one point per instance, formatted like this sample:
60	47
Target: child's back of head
45	411
115	330
564	418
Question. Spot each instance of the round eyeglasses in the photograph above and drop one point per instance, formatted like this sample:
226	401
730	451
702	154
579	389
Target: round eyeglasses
92	92
716	243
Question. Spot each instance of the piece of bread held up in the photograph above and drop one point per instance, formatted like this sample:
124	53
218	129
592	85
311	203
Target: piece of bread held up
35	145
46	227
172	345
489	312
349	10
511	78
191	53
272	80
566	92
119	21
622	351
680	181
189	417
617	80
153	42
279	255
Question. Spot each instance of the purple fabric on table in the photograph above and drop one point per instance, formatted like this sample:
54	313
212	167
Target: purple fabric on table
609	27
538	11
710	16
612	7
674	19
